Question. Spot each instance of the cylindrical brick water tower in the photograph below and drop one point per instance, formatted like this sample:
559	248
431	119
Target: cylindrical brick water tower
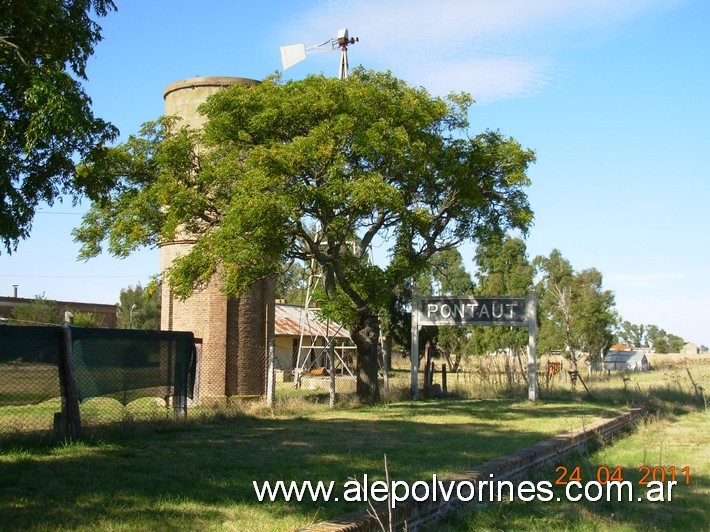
235	332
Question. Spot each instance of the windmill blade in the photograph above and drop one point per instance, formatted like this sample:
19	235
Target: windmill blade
292	54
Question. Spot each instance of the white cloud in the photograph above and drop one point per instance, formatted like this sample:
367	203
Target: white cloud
487	79
492	49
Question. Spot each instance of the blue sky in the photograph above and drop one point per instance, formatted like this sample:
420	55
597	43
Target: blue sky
612	95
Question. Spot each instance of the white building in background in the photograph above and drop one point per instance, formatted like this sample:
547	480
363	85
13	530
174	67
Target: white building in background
287	336
625	361
690	349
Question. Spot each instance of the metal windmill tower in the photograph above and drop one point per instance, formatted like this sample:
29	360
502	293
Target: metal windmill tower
295	53
318	337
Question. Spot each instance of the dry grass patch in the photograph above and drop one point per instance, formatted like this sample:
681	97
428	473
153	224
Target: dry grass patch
665	442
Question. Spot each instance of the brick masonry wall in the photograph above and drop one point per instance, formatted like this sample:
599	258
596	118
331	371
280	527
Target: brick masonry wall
234	332
250	324
205	315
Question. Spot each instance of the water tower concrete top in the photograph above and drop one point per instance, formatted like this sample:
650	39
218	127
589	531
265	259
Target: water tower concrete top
183	97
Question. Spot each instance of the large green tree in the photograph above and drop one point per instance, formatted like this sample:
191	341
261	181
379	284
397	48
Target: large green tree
633	335
446	275
675	343
45	114
317	168
577	316
653	332
503	269
661	345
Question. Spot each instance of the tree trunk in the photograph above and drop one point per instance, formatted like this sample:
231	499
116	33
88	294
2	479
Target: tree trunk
508	373
573	369
365	332
387	360
331	356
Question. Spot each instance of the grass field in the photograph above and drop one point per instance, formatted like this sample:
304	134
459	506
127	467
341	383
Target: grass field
28	383
198	474
679	442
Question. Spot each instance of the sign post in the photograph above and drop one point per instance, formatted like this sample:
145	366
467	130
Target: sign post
465	311
531	325
414	357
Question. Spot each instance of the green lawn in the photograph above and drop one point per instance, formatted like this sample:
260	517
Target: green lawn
199	475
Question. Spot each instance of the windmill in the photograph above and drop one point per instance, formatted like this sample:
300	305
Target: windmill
295	53
317	337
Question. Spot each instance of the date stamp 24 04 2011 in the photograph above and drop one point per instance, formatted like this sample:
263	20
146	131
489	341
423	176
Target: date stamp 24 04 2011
605	474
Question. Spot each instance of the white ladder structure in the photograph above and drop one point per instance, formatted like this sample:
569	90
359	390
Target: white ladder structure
317	337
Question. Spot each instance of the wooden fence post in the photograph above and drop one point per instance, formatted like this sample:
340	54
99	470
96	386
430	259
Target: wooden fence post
443	378
70	403
426	378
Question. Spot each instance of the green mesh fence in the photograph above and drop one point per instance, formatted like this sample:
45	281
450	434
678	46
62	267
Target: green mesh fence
116	374
29	359
127	365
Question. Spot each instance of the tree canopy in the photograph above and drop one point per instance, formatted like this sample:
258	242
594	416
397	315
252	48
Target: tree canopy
316	168
45	115
576	315
503	269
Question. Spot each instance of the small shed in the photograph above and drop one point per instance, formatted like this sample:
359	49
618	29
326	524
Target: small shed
625	361
690	349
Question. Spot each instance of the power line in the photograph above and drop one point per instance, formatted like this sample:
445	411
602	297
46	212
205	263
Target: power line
76	276
69	213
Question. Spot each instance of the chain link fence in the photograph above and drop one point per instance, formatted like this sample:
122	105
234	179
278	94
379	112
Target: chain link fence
63	379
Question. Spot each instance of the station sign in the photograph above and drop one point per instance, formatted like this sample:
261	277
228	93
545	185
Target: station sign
461	311
473	311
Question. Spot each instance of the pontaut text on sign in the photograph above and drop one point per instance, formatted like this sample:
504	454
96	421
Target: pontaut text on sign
473	311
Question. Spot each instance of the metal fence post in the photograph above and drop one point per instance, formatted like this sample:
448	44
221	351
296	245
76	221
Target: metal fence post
180	406
180	379
270	374
531	321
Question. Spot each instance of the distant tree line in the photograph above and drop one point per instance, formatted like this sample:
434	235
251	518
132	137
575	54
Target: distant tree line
576	316
649	336
43	312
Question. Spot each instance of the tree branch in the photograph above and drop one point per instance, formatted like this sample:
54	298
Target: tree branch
4	41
